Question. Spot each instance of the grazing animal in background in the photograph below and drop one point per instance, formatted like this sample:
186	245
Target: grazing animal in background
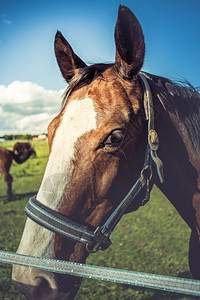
21	152
19	147
97	149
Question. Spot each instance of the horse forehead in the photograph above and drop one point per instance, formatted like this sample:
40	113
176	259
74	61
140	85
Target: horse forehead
103	90
79	116
108	102
108	92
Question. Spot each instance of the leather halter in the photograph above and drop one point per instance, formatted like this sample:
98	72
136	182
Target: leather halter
98	239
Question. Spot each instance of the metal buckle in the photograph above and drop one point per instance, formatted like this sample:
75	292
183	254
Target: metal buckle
153	140
95	244
146	172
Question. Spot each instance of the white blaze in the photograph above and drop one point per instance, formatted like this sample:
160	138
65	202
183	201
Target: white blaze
79	118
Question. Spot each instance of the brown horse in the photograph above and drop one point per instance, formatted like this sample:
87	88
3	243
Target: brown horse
97	149
21	152
19	148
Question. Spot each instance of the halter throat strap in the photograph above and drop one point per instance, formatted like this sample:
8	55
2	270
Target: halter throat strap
98	239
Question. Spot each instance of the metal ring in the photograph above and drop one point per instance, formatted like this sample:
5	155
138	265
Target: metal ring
94	250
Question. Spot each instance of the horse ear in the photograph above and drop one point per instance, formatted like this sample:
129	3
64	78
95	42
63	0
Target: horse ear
129	41
67	60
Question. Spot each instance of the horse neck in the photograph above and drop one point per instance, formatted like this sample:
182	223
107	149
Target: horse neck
177	150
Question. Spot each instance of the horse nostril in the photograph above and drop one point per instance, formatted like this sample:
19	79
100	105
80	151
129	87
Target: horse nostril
43	288
38	287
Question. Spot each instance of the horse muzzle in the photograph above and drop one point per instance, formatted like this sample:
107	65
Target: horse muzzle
41	285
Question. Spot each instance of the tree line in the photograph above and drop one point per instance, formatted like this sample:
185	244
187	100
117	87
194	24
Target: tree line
10	137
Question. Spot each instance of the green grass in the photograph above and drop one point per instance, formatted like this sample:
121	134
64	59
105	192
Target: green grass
153	239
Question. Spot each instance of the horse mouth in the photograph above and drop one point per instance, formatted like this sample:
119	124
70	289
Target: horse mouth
43	291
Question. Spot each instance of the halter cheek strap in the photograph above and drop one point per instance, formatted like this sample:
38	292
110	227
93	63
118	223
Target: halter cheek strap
98	239
153	140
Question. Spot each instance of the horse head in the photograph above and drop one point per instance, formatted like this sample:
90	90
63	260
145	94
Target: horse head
92	163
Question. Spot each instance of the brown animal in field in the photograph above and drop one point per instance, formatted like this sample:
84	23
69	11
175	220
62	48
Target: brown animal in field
19	148
6	158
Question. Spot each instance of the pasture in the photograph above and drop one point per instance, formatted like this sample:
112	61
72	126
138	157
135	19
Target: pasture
153	240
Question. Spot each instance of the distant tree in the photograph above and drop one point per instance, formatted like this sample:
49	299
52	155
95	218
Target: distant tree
27	136
9	137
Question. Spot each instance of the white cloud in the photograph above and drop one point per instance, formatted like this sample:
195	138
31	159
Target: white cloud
26	107
6	21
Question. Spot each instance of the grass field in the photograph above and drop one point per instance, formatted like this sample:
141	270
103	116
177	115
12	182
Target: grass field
152	240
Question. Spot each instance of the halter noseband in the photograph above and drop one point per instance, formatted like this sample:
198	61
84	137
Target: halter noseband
98	238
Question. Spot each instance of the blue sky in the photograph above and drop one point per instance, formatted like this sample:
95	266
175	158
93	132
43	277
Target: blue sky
27	30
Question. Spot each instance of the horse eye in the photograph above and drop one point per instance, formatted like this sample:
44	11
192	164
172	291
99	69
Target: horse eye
114	139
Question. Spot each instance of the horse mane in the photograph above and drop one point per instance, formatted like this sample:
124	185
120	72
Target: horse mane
183	99
83	77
